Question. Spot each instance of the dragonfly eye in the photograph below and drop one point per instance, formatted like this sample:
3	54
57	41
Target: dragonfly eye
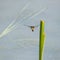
32	30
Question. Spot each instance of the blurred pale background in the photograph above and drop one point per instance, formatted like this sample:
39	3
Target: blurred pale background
18	42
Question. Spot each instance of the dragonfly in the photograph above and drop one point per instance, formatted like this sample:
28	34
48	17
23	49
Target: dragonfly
32	27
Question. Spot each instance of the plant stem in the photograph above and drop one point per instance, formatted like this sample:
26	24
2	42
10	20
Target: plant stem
41	39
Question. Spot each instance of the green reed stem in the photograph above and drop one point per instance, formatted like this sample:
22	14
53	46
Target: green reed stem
41	40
